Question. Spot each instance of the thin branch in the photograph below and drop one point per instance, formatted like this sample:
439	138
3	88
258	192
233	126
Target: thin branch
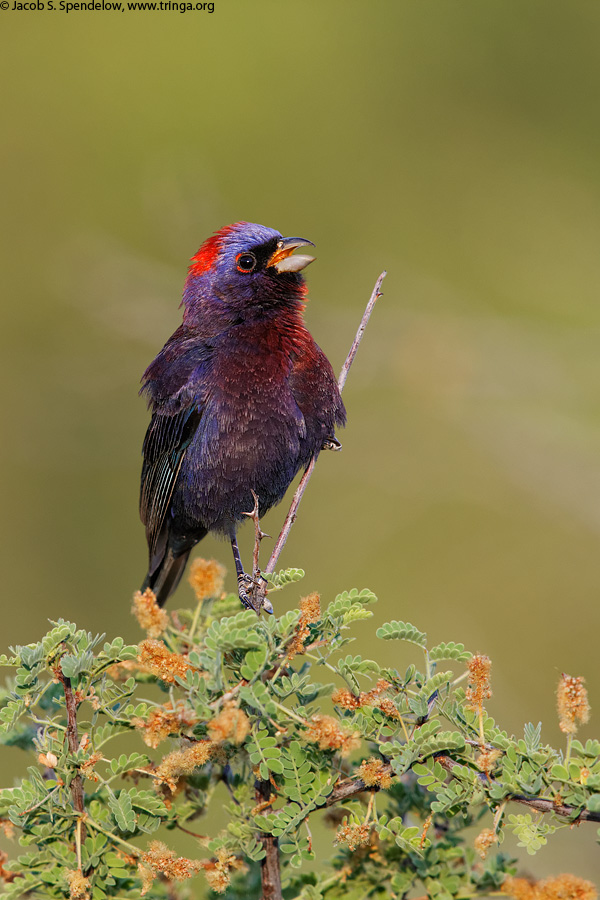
40	803
73	742
291	516
361	330
351	786
194	834
292	512
270	874
542	805
546	806
259	534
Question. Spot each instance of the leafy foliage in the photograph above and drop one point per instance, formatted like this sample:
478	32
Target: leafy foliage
401	762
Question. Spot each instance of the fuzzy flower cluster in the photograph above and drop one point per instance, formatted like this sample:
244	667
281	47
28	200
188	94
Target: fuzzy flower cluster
353	835
487	759
562	887
207	578
164	721
310	611
218	870
150	616
161	662
327	733
373	773
8	829
231	724
158	859
79	886
87	766
484	840
5	874
478	689
348	700
572	703
180	763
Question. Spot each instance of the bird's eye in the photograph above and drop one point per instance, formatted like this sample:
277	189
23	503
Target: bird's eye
245	262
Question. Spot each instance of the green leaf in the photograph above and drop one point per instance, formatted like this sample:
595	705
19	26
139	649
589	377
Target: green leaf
593	803
265	753
254	662
355	614
127	763
234	633
364	596
257	696
401	631
74	665
348	600
532	736
278	580
450	650
114	862
356	665
408	838
122	810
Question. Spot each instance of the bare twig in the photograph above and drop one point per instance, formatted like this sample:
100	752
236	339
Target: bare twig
361	330
291	516
293	510
194	834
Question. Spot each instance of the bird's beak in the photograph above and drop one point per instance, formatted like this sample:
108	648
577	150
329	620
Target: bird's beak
282	259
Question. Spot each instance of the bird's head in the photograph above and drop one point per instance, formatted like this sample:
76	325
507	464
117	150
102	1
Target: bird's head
244	267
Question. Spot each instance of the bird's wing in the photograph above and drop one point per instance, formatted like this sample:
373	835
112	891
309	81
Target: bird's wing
315	389
166	441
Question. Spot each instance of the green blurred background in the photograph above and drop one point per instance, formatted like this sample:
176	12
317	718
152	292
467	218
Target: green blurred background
455	144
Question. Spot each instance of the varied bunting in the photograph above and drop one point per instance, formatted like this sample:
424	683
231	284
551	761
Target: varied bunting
241	398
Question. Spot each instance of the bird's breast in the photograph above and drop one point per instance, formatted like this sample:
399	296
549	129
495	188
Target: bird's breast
252	434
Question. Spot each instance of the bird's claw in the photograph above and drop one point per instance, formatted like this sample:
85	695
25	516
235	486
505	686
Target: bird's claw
244	581
248	587
331	443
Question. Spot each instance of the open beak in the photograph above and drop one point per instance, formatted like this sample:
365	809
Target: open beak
283	261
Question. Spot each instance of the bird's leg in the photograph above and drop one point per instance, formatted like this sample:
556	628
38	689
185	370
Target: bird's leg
258	583
245	582
251	591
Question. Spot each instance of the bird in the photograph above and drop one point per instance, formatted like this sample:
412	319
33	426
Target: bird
241	398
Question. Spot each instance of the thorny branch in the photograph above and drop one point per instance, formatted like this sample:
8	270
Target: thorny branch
258	535
293	510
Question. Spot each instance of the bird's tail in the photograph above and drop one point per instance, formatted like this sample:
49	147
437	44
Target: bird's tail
167	575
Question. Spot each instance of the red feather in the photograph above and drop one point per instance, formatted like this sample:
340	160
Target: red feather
207	255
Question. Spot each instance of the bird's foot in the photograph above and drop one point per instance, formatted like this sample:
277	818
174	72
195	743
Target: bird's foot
331	443
252	592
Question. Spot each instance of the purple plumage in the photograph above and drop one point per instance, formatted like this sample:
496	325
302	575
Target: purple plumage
241	398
